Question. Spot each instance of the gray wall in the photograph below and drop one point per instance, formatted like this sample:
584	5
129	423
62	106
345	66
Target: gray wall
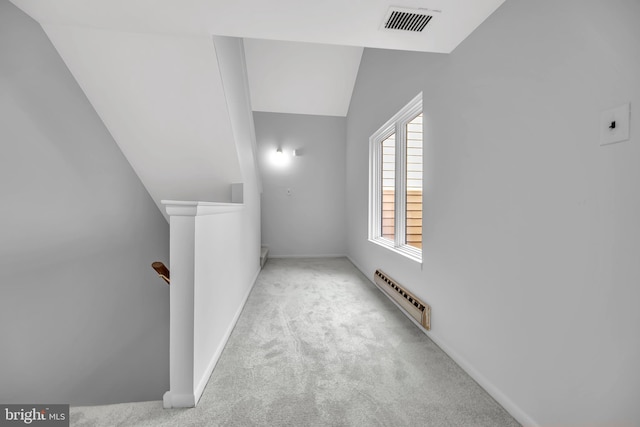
531	231
311	220
83	318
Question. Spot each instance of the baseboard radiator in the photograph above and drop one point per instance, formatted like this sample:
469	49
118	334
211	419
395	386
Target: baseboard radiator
412	305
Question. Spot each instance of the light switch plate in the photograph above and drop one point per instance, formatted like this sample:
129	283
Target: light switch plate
614	124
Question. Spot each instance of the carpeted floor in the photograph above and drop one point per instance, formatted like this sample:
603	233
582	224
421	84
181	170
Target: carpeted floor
319	345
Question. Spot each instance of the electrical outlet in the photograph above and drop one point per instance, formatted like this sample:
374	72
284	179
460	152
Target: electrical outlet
614	124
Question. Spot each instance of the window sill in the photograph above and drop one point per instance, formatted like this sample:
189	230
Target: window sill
407	251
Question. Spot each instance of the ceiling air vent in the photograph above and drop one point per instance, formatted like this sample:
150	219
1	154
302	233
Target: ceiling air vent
414	20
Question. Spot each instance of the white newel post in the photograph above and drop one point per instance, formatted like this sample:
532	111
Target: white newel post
182	226
182	253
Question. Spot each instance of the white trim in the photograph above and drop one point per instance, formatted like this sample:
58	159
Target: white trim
172	400
514	410
404	250
289	256
216	355
193	208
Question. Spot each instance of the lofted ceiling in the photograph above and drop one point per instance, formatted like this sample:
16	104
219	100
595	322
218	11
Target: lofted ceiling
153	71
302	78
336	22
164	102
316	78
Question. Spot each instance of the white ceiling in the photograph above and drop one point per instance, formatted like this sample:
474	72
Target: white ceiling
284	77
338	22
153	73
302	78
163	100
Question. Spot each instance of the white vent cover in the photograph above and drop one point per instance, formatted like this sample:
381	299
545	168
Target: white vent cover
403	19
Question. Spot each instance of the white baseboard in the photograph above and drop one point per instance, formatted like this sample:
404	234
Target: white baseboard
308	256
513	409
171	400
516	412
216	355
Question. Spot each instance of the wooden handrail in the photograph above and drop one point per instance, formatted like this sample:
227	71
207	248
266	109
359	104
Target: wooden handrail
162	271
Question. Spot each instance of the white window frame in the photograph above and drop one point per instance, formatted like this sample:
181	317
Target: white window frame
397	124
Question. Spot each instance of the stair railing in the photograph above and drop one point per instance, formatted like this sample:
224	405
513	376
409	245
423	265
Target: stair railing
162	271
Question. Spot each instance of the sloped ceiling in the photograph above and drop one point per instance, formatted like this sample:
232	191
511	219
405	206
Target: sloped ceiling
163	101
304	77
336	22
149	68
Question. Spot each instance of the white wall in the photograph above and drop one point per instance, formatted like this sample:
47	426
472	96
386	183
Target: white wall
215	250
224	276
532	239
310	221
83	317
228	245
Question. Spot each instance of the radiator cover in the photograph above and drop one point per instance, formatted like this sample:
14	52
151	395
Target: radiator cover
409	302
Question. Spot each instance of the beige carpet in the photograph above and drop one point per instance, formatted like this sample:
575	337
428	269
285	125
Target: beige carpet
319	345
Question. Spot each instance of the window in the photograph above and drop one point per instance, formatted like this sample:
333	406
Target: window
395	200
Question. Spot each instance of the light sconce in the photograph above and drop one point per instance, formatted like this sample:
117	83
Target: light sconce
278	158
294	153
281	158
